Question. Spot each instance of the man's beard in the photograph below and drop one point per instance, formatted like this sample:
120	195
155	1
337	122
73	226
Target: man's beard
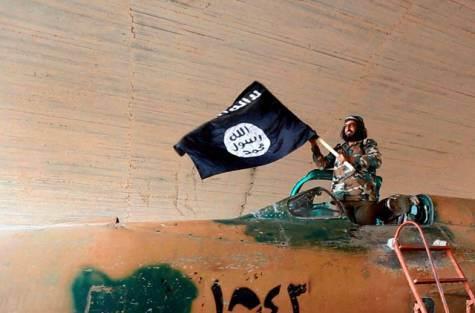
358	135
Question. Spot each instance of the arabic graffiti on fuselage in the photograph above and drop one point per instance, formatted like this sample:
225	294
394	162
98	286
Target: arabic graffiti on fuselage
248	298
244	101
154	288
294	292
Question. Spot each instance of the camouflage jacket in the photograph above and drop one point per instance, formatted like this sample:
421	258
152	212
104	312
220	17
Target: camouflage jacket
361	184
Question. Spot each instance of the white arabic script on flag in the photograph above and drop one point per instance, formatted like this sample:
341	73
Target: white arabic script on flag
246	140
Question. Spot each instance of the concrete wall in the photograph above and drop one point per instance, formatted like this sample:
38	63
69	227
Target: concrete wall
93	94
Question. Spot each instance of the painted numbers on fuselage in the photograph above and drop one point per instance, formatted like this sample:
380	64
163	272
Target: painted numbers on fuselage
250	300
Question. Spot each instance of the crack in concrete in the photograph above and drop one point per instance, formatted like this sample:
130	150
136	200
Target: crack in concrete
131	165
130	118
177	193
193	177
248	192
187	205
132	22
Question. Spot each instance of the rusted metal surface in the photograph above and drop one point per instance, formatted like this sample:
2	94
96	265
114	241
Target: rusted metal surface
215	267
94	94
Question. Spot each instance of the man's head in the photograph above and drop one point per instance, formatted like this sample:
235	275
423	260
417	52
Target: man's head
353	129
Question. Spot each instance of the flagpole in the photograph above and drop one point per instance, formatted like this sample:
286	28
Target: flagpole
332	151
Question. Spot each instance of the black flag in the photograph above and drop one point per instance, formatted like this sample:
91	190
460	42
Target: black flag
256	130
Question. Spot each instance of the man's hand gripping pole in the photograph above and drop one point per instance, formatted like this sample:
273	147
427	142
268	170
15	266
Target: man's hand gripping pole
349	168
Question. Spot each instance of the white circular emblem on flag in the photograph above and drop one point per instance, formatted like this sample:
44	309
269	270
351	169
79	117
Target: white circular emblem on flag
246	140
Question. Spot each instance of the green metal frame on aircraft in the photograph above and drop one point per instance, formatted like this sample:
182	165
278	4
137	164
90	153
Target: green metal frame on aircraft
317	174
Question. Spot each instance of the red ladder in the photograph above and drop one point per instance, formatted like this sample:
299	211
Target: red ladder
419	306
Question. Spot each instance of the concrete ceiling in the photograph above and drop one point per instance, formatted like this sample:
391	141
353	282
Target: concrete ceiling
94	94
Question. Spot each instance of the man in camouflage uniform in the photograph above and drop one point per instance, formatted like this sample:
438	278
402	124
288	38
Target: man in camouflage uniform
356	190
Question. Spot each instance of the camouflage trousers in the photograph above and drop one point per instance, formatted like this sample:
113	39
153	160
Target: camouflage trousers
389	210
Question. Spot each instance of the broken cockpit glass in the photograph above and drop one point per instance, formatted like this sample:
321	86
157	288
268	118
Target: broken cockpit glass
317	202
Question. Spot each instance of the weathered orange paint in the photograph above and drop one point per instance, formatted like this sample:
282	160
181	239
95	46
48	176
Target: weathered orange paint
38	265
